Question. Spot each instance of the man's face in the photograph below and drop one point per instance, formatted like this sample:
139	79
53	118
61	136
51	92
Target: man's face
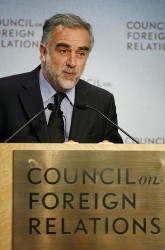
64	59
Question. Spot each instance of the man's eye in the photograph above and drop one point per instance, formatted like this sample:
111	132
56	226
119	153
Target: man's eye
81	53
63	51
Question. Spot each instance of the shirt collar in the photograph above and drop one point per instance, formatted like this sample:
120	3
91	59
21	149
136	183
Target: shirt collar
48	92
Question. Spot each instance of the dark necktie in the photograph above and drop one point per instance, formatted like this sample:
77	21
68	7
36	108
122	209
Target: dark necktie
56	123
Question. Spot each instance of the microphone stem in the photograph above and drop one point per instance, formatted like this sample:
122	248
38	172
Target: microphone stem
26	124
113	124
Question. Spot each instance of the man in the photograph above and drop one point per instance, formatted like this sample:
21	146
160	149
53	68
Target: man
65	46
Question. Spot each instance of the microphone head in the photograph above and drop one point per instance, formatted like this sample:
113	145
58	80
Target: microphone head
50	106
81	106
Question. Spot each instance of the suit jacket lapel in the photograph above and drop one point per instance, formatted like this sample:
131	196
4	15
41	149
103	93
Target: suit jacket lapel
32	101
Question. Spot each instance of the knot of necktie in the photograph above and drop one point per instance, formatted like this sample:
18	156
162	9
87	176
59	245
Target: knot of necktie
58	99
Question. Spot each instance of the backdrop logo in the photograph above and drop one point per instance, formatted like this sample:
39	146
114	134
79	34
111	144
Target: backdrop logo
99	83
18	33
147	140
145	36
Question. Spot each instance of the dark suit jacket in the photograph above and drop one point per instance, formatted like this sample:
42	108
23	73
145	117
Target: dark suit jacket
20	100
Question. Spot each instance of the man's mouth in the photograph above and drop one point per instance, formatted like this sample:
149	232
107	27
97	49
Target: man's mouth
69	75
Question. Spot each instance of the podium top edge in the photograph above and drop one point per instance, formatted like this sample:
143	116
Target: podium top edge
82	146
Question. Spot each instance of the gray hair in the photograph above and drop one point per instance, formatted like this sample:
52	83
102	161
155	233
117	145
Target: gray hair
66	20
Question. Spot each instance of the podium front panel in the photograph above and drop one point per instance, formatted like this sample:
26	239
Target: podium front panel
88	199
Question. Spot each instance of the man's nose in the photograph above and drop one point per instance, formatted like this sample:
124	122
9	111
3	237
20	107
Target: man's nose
72	60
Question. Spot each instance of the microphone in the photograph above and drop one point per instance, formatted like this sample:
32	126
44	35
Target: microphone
85	106
49	106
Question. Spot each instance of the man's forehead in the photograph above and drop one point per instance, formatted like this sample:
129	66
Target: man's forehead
71	36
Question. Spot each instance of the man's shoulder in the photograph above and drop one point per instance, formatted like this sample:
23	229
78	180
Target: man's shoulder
15	79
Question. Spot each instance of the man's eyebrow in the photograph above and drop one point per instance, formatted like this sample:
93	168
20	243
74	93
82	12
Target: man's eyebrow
67	46
84	48
62	45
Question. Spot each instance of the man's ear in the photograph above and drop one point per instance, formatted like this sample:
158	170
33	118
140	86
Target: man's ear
42	52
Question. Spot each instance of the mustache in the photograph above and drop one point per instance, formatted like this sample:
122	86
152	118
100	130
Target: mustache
73	71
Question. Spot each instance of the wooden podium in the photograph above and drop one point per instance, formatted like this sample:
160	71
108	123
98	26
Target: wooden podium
82	196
